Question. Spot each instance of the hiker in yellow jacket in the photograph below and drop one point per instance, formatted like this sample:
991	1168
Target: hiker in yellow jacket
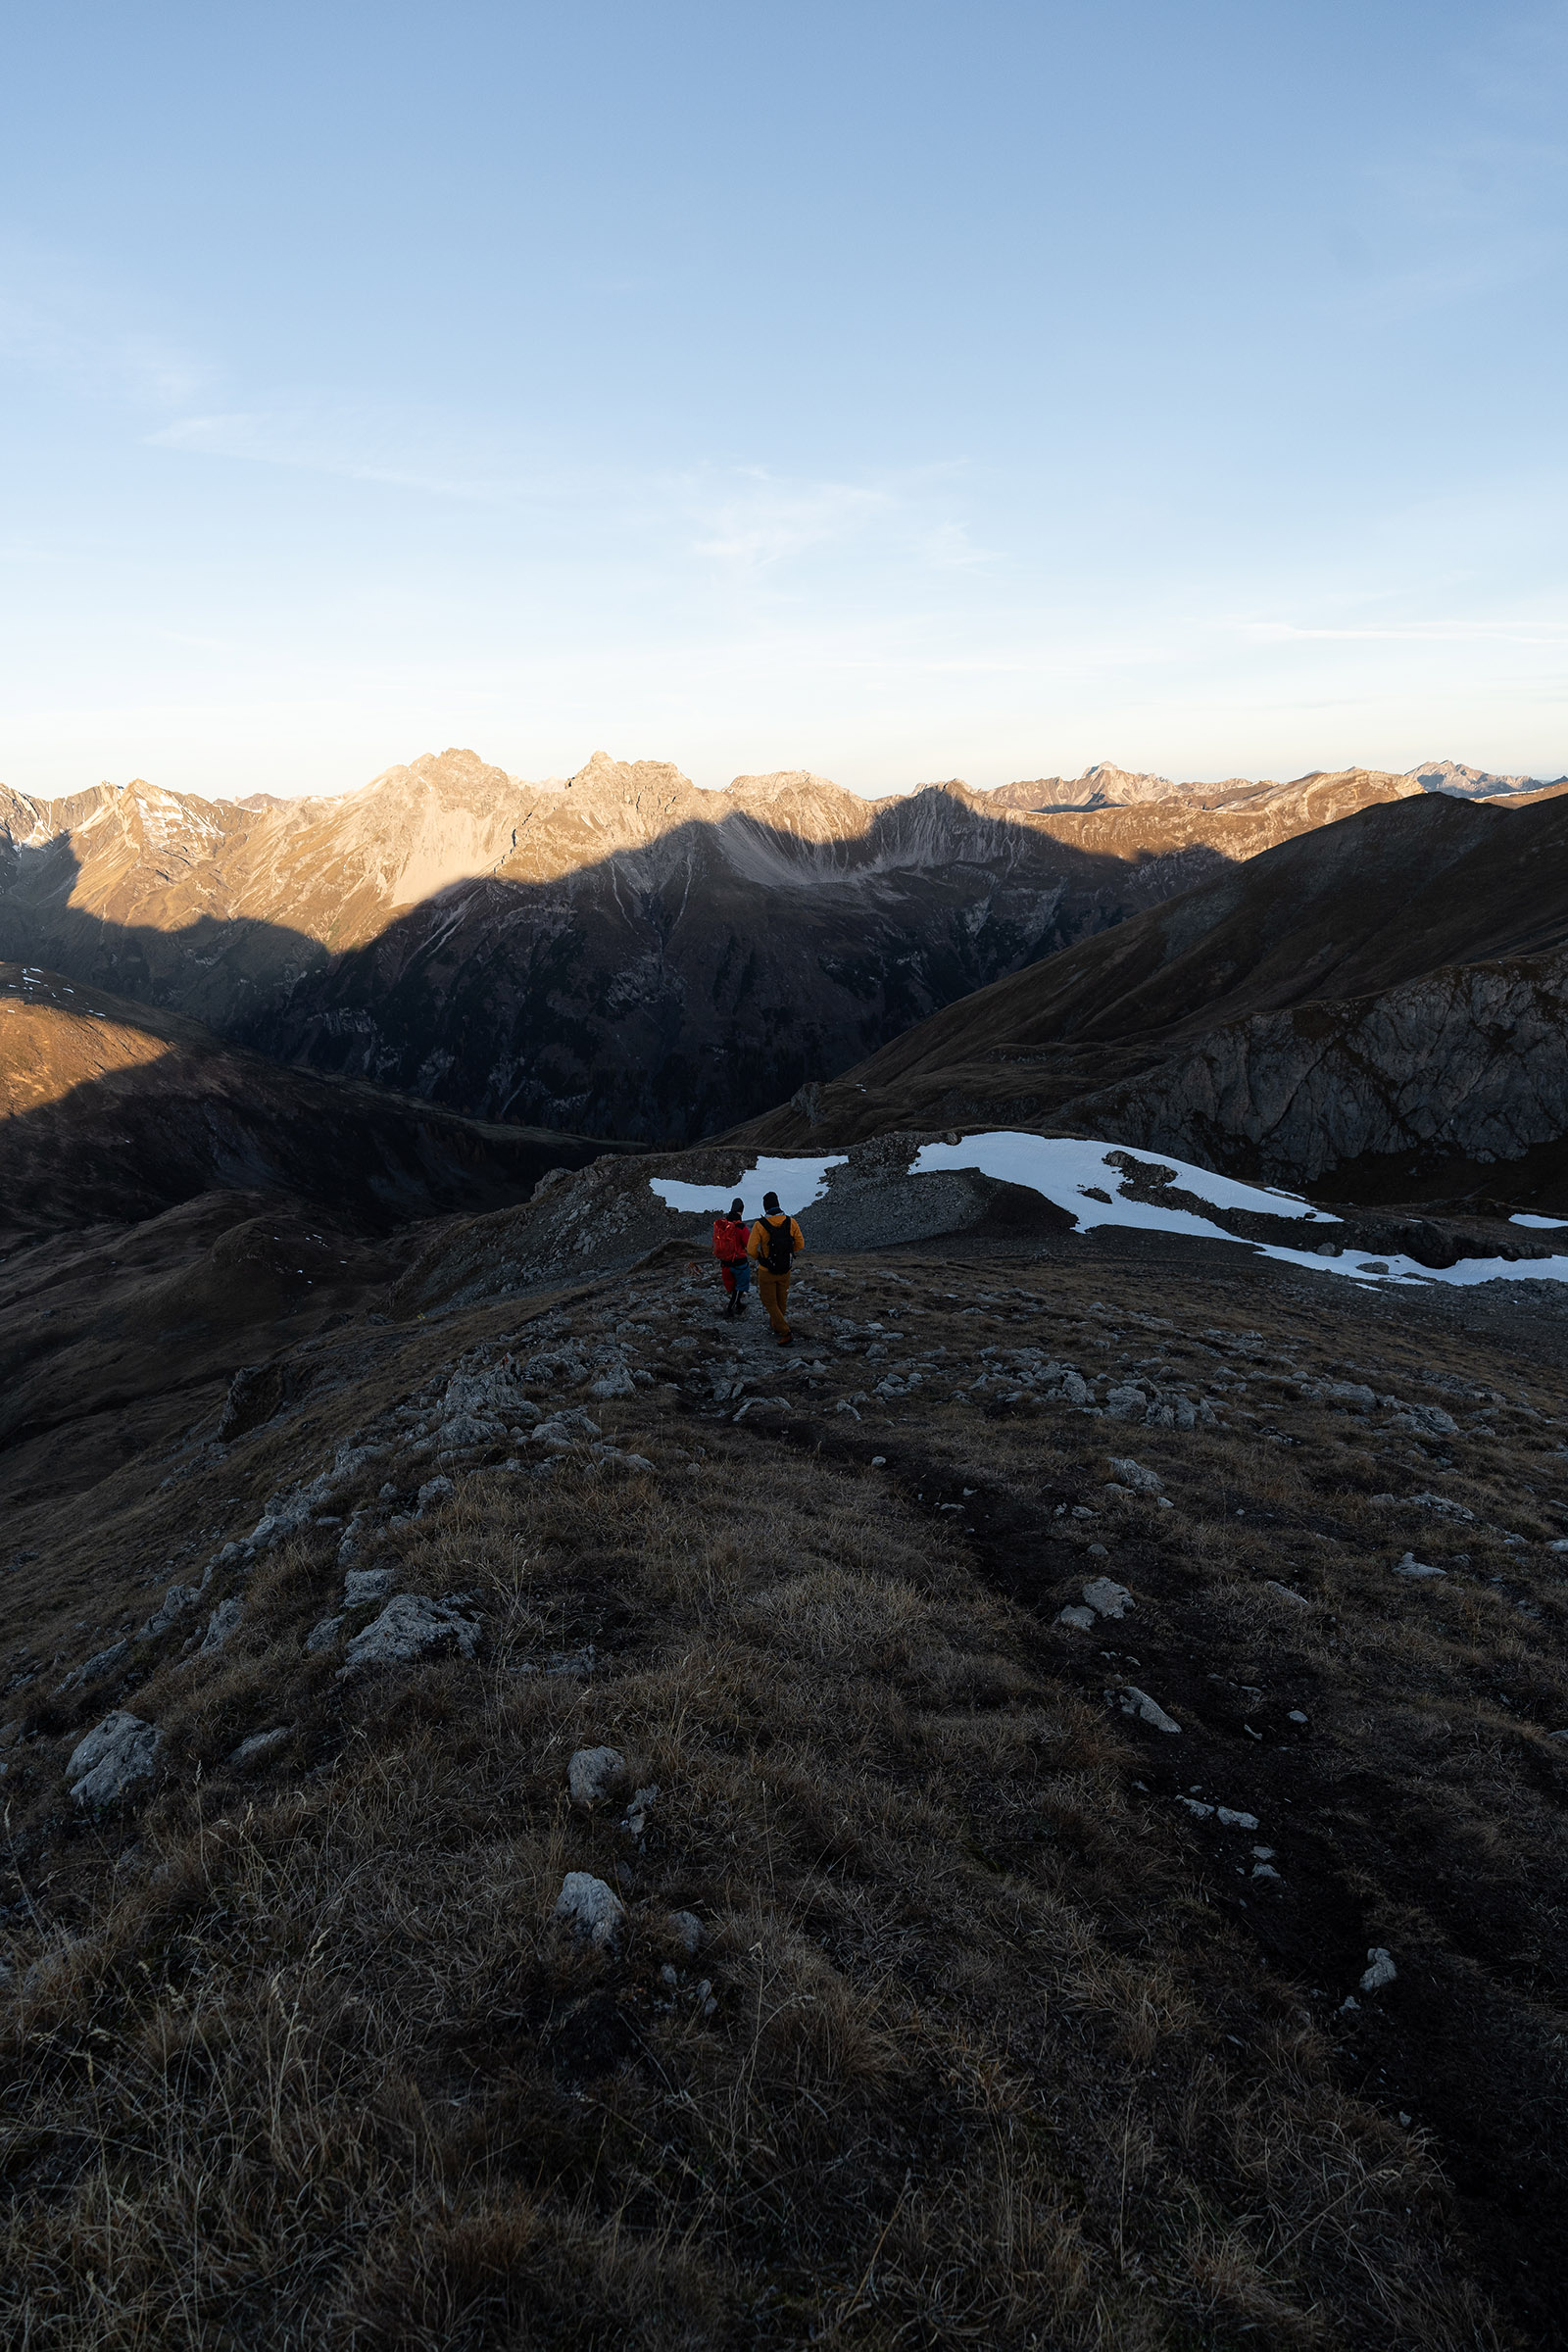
775	1241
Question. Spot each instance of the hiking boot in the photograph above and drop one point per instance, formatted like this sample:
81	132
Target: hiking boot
785	1339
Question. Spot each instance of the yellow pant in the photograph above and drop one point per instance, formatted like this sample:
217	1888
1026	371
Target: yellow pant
773	1289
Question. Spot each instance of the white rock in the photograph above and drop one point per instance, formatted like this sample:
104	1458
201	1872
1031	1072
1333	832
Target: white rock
177	1602
363	1584
1381	1972
1233	1820
323	1634
616	1382
1418	1569
1133	1474
1200	1812
223	1621
116	1754
1083	1619
687	1931
1296	1716
1264	1870
592	1772
1107	1598
412	1626
259	1744
435	1490
1125	1403
1134	1701
94	1669
1285	1592
637	1812
593	1911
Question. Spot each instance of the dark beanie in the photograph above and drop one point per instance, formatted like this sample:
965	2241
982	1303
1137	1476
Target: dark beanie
770	1205
737	1208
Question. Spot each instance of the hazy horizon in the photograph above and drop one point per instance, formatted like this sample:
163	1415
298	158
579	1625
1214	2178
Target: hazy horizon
885	392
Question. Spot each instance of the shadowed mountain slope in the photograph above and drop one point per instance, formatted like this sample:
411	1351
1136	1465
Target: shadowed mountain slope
621	954
110	1112
1379	1007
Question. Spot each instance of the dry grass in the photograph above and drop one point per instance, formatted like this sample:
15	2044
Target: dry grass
997	2054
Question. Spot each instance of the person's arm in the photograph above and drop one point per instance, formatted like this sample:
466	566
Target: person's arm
797	1237
753	1241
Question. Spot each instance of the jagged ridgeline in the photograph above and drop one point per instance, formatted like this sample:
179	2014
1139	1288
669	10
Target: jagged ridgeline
619	953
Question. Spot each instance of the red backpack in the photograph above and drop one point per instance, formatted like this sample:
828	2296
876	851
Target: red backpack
729	1240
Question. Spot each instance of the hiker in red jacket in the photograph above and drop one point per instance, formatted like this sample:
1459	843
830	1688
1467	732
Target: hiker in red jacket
734	1266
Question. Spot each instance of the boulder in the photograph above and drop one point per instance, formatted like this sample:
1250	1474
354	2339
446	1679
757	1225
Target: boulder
412	1626
363	1585
260	1744
687	1929
593	1912
223	1621
177	1602
434	1491
592	1773
323	1634
1380	1972
1107	1598
116	1754
94	1669
1133	1474
1134	1701
1126	1404
1080	1618
614	1381
1419	1570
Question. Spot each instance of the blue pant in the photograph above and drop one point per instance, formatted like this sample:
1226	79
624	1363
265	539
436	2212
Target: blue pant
737	1278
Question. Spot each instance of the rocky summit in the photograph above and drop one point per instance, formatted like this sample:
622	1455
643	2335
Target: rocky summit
618	954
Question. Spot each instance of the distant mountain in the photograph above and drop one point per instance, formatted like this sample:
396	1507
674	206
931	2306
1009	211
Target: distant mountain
1379	1007
1106	787
618	954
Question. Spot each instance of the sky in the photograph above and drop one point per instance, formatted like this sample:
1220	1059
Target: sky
894	391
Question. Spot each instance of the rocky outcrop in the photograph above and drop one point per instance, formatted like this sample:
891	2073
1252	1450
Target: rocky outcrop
1379	1009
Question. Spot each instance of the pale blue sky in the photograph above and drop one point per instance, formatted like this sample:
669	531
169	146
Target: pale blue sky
897	391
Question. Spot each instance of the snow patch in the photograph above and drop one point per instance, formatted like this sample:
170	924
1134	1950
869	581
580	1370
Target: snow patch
796	1181
1063	1169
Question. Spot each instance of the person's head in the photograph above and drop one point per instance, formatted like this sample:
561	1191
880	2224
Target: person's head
770	1205
737	1208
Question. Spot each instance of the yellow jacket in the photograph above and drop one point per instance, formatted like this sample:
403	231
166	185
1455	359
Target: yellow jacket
757	1243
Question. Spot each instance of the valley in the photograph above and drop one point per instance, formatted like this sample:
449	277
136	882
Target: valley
1032	1815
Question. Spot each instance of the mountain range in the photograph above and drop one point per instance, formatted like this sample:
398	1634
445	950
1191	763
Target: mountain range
619	953
1377	1009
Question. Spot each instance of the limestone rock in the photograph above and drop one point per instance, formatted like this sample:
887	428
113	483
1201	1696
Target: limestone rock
324	1634
412	1626
223	1621
260	1744
687	1929
363	1585
95	1667
1381	1970
177	1602
593	1912
115	1755
1134	1701
592	1773
1080	1618
1419	1570
1107	1598
1133	1474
